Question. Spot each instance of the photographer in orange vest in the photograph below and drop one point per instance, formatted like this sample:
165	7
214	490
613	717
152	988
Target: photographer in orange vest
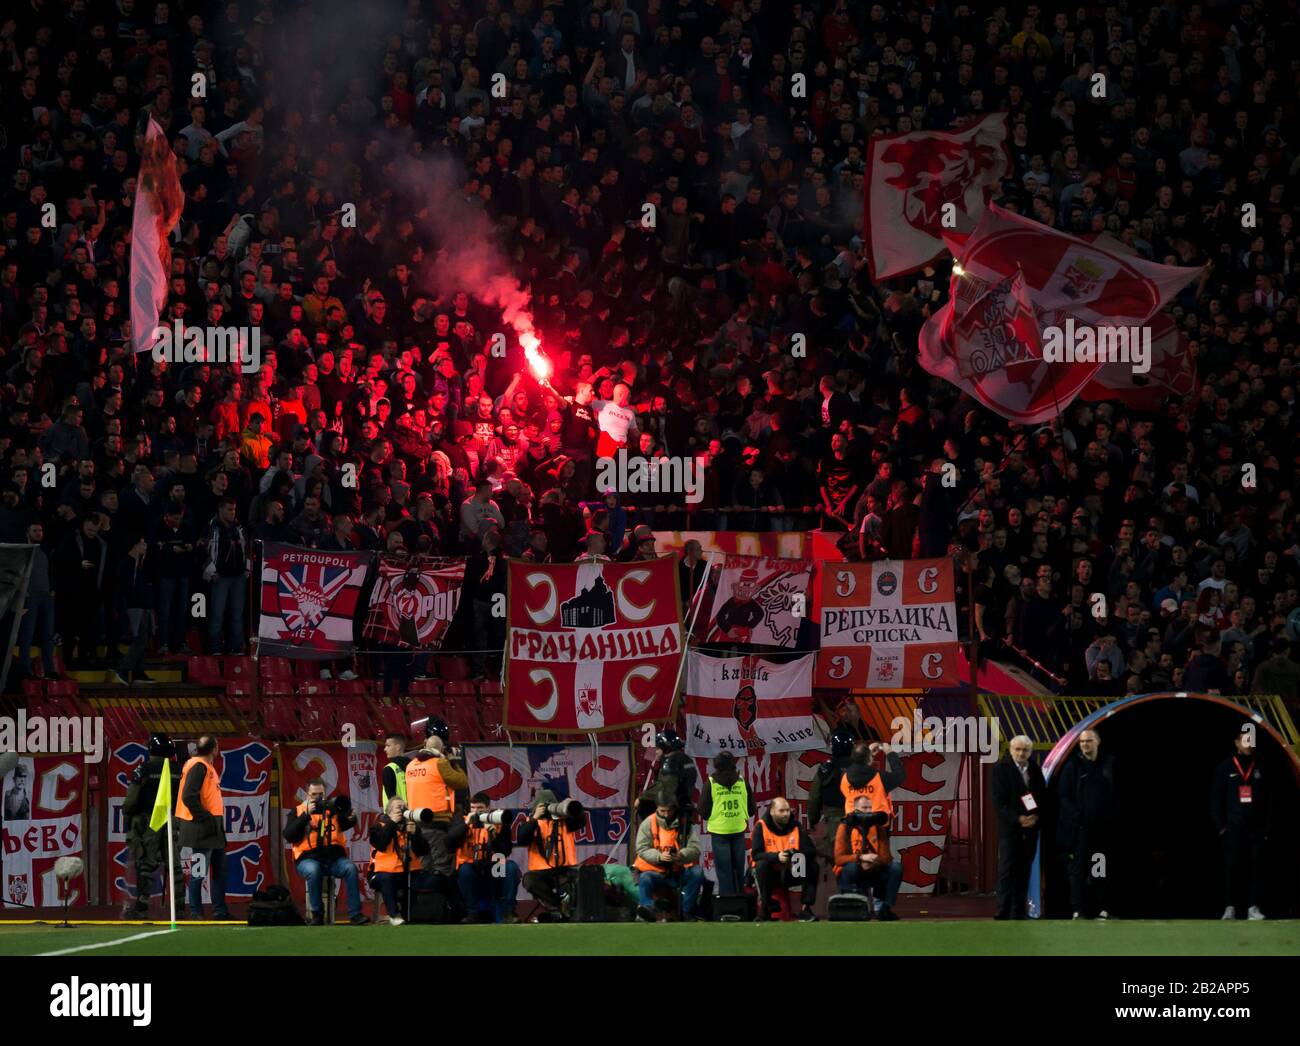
432	781
784	856
483	865
862	778
667	854
862	856
552	846
397	848
318	834
201	812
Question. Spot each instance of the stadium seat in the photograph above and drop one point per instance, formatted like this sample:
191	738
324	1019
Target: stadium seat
62	687
243	699
352	686
279	719
239	669
460	690
313	687
278	688
316	717
33	687
452	667
390	716
352	708
490	688
274	668
204	670
306	669
426	687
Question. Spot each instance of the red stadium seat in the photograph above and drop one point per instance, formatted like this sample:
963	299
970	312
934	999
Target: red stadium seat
306	669
314	687
278	688
274	668
452	667
239	669
205	670
352	708
33	687
390	716
278	717
243	699
352	686
490	688
426	687
317	719
62	687
460	690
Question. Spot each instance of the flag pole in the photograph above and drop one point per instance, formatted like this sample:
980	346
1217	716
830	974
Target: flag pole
171	863
690	628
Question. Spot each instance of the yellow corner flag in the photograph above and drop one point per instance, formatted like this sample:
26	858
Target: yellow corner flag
163	804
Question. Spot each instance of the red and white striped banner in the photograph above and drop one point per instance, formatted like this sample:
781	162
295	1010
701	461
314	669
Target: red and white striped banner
749	705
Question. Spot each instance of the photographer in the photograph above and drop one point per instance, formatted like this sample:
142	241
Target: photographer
431	783
675	776
550	836
477	840
863	859
667	854
784	857
396	844
319	834
862	778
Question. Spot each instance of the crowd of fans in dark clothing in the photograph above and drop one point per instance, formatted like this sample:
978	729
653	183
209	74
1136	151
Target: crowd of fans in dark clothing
1120	550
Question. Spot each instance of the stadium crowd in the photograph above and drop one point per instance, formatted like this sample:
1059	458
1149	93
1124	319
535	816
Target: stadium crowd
382	418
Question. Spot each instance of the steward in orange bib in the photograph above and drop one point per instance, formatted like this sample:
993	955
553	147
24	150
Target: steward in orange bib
784	857
552	851
318	833
484	871
201	812
397	849
431	784
863	859
861	778
667	854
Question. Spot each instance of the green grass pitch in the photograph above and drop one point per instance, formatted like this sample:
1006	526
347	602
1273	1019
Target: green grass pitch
910	937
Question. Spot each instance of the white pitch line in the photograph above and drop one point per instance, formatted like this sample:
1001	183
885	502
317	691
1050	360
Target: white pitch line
105	944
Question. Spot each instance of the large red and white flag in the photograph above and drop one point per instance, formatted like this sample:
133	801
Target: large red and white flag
916	182
308	600
413	600
1071	285
748	706
760	600
890	624
591	646
155	212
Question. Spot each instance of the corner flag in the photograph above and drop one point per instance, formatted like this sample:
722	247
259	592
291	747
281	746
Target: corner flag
162	805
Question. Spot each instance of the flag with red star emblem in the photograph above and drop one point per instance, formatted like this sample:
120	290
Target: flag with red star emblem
1173	372
914	180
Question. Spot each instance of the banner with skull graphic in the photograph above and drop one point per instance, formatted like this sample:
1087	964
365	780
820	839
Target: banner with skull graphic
749	706
760	600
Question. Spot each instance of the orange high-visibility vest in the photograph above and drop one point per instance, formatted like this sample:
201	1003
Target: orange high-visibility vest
390	860
773	843
476	846
336	836
566	852
426	788
210	796
663	837
880	801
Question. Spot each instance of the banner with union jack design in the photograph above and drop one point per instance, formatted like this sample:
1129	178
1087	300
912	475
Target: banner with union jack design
591	646
918	180
309	598
749	705
413	601
890	624
759	600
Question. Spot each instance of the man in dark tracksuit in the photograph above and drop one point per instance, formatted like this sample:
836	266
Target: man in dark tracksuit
1086	824
1239	808
675	777
148	848
1018	796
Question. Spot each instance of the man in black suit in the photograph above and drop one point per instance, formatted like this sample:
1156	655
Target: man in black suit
1239	808
1085	826
1018	796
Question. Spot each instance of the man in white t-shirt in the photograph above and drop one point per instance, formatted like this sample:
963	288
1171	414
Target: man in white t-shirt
615	420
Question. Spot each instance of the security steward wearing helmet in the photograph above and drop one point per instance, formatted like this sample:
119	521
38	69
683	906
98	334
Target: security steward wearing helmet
148	848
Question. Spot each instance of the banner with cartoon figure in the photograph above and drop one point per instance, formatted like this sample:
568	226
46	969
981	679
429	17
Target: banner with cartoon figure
760	600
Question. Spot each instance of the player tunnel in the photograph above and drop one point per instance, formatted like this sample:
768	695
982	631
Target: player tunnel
1168	860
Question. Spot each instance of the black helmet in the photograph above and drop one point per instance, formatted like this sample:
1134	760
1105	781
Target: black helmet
842	739
161	746
439	727
668	741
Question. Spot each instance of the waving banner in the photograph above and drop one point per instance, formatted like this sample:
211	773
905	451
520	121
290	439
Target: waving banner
591	646
890	624
44	800
922	182
352	771
413	601
309	597
748	705
759	600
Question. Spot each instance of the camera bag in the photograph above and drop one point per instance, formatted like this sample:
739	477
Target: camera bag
429	906
589	895
273	907
734	907
848	908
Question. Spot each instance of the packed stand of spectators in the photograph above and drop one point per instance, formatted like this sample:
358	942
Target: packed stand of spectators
739	325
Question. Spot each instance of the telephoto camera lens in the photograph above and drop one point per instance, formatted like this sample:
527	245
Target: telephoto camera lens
422	814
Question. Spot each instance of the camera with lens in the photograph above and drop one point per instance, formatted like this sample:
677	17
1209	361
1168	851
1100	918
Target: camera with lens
565	810
419	815
488	819
872	820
